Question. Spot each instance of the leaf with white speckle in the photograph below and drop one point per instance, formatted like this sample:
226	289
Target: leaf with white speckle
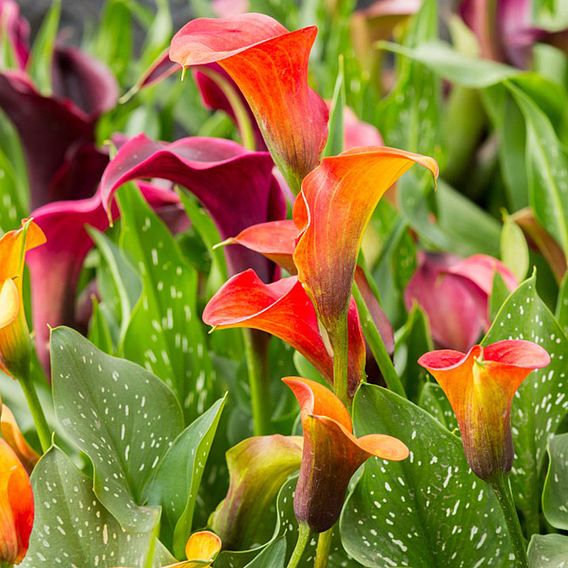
548	551
176	483
165	333
542	400
72	528
428	510
555	494
123	417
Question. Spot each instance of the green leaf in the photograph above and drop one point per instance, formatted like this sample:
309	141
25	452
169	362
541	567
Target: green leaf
548	551
433	399
176	483
336	135
541	402
39	66
428	510
273	556
123	417
99	329
547	167
454	66
555	494
165	333
499	293
71	528
12	208
562	304
514	249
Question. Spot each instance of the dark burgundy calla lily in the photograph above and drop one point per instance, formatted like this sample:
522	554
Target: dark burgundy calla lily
56	269
235	185
58	132
505	31
454	293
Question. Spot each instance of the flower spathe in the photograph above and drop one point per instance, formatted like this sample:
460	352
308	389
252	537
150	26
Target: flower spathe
14	334
332	211
480	386
16	507
331	453
284	310
269	64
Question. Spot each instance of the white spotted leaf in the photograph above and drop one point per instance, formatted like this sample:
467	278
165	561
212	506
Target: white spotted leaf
541	402
176	483
123	417
428	510
548	551
555	494
72	528
165	333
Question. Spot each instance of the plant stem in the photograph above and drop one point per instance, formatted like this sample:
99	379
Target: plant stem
377	345
500	486
303	538
340	345
323	548
259	396
42	427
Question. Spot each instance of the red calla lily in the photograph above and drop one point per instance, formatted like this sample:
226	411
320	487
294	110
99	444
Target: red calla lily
270	66
284	310
331	454
480	386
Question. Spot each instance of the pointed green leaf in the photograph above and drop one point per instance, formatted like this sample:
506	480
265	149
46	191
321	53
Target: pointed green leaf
548	551
176	483
123	417
428	510
336	135
541	402
555	494
71	527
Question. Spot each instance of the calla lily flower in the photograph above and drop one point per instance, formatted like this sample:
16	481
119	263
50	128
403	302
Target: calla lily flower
14	333
276	241
480	386
16	507
270	66
284	310
62	159
331	454
258	467
235	185
332	211
15	439
454	293
201	550
505	31
57	265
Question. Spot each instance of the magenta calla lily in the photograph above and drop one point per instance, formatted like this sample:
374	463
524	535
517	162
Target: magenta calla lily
454	293
57	267
235	185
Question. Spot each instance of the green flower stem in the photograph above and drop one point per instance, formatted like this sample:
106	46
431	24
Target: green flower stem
377	345
258	383
303	538
42	427
340	345
323	548
500	486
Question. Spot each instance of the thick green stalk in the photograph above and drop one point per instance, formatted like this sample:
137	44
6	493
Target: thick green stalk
340	345
259	395
303	538
323	549
377	345
42	427
500	486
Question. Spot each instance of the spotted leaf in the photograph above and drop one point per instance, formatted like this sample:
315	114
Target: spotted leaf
165	334
177	479
548	551
429	510
123	417
541	402
72	528
555	495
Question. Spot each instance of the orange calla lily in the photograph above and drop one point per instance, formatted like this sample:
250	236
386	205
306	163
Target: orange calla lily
284	310
480	386
201	550
331	454
16	507
14	335
269	64
13	436
333	210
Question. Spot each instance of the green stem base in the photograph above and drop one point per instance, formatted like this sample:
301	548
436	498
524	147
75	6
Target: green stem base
323	549
303	538
42	427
